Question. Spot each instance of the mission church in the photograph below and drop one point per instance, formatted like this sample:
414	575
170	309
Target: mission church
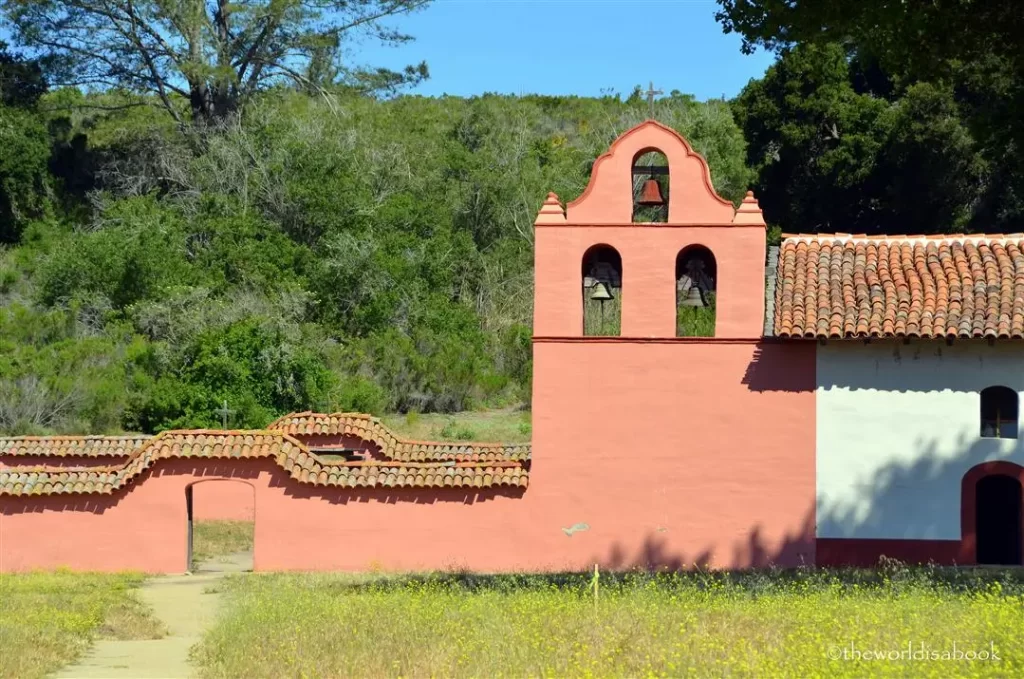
699	398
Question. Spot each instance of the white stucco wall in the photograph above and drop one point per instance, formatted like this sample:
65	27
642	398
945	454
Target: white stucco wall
897	428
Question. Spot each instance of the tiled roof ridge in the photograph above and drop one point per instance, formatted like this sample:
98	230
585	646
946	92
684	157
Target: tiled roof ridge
63	445
287	452
905	238
79	437
373	430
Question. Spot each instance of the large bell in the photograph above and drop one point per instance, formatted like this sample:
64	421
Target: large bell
651	195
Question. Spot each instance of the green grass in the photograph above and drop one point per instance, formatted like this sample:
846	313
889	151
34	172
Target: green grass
48	619
214	539
755	625
509	425
696	321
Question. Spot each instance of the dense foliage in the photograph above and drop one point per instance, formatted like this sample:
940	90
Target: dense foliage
320	247
891	115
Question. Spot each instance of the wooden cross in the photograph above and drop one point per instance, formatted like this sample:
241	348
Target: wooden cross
650	97
224	413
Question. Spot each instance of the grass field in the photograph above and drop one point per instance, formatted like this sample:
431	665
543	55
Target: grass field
510	425
48	619
755	625
214	539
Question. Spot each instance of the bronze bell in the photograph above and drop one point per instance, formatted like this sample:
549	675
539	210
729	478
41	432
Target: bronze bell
651	195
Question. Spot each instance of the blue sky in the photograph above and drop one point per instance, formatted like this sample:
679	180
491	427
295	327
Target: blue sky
547	47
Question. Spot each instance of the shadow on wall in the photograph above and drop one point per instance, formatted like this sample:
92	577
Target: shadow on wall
781	366
754	551
917	498
343	496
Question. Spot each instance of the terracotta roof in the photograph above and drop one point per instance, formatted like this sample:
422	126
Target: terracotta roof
843	285
370	429
67	446
288	453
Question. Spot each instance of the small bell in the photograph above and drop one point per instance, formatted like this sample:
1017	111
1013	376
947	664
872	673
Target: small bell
601	293
651	195
693	298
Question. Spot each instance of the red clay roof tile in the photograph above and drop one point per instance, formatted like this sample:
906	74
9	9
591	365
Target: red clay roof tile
68	446
372	430
843	286
287	452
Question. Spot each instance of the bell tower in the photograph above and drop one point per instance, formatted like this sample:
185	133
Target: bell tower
652	380
601	244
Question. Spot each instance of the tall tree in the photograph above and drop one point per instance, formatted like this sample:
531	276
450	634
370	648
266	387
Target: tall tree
212	53
833	155
975	46
24	182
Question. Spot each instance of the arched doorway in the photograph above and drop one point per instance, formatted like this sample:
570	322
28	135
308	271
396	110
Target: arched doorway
998	520
221	526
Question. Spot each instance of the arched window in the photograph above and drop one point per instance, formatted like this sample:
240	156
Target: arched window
696	274
602	291
650	187
999	410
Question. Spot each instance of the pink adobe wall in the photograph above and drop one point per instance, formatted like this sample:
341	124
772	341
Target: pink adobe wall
143	527
712	441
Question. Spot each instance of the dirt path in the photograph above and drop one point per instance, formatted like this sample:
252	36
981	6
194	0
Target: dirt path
186	608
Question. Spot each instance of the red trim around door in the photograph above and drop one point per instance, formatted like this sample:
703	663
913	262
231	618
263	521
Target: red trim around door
968	503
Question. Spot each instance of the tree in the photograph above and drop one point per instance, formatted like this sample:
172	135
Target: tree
24	183
921	39
833	155
215	55
975	46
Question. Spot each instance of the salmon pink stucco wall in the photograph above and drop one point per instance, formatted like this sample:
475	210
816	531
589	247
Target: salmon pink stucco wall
704	450
142	527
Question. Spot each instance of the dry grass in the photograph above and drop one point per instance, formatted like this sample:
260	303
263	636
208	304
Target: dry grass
763	626
509	425
212	540
48	619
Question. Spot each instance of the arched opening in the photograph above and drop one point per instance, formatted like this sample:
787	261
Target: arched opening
998	520
221	525
999	412
650	187
696	274
602	291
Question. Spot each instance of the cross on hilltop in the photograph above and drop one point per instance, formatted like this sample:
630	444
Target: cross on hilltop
651	92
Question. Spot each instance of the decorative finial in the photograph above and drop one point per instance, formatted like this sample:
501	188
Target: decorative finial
749	212
551	212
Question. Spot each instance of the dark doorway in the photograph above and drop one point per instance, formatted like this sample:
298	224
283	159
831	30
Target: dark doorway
998	504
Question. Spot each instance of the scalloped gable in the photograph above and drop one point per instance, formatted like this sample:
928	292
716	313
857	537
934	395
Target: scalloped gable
608	198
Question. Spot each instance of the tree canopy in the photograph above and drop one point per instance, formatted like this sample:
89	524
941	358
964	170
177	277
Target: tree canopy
210	57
